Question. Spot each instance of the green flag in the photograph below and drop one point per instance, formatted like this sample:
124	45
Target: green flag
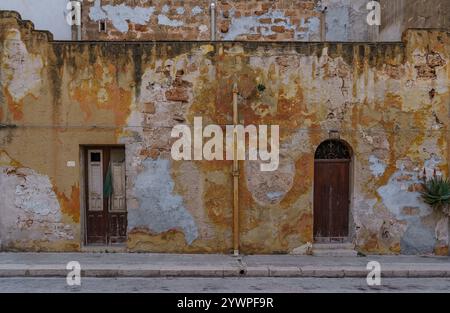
108	187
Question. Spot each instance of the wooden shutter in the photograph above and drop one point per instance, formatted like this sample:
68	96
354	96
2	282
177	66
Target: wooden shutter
95	180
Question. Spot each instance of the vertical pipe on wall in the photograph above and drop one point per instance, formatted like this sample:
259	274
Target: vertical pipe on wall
235	174
213	20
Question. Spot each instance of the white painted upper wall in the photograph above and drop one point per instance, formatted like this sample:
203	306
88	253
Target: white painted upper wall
45	14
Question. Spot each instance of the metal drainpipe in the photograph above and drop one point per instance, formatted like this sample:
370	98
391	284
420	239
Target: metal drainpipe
235	174
213	20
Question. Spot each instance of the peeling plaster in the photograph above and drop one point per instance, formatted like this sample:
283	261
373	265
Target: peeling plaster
418	239
165	9
160	210
164	20
196	10
119	14
406	205
35	195
190	183
268	188
431	165
29	208
245	25
203	28
377	166
442	230
396	194
313	25
20	70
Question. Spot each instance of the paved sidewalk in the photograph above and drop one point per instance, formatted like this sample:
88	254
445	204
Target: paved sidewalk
214	265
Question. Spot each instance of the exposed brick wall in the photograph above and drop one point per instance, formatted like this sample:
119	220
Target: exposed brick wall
276	20
146	20
268	20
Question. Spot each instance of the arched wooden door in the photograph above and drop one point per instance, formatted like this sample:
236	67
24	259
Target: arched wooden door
331	191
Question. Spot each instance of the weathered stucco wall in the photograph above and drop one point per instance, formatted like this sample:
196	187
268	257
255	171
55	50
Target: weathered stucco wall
388	101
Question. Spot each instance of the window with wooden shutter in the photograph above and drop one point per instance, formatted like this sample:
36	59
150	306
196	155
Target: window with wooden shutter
95	180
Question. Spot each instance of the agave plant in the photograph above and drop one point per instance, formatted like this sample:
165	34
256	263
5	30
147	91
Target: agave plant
436	193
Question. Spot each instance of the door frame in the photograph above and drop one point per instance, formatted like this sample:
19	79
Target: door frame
350	160
83	199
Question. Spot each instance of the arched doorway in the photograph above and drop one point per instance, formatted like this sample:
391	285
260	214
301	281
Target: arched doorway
332	191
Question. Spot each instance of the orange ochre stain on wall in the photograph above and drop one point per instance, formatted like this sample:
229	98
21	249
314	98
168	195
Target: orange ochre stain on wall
171	241
88	94
71	205
14	107
441	250
103	81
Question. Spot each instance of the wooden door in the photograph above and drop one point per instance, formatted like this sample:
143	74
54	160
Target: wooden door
106	216
117	214
331	199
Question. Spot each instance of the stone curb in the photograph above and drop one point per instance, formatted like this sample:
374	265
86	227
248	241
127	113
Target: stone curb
141	270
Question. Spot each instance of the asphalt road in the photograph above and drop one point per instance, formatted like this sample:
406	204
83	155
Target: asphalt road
225	285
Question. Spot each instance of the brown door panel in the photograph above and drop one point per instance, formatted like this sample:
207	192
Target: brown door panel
95	228
331	198
103	227
117	227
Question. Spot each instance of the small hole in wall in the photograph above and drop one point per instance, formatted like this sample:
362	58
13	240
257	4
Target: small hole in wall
432	93
261	88
102	26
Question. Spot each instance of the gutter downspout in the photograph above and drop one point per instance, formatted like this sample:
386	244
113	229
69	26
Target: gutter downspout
235	174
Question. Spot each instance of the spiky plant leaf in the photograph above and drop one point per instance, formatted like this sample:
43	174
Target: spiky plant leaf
436	192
